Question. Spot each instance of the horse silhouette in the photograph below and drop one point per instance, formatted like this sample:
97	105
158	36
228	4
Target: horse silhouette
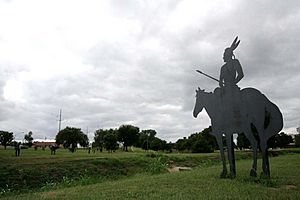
256	116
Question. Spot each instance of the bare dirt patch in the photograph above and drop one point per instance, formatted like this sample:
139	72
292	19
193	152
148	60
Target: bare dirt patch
178	169
289	186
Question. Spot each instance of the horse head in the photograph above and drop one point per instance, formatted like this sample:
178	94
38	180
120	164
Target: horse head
199	105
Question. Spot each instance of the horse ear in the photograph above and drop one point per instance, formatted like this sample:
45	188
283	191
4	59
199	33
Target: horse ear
199	90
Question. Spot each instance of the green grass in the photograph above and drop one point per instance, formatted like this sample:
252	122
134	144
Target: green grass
129	175
38	169
200	183
34	169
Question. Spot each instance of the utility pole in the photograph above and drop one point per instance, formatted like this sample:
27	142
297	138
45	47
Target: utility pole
59	121
87	133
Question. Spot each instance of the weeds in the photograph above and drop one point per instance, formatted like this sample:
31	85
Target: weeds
156	166
5	190
67	181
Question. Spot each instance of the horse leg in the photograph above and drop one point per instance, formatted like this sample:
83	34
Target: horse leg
220	144
253	142
230	150
233	155
265	158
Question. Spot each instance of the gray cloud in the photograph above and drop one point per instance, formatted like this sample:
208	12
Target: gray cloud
148	78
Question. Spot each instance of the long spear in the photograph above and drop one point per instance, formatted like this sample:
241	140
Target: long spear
207	75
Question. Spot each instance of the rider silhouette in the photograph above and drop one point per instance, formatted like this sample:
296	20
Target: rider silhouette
231	73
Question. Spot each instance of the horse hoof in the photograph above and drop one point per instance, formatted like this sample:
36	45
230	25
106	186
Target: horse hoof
253	173
232	175
223	175
264	175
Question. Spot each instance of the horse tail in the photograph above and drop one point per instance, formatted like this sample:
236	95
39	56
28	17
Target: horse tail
273	119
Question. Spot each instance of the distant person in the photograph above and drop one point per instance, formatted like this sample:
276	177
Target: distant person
72	148
18	148
53	148
90	147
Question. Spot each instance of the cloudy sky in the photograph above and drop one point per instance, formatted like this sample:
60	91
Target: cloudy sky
108	63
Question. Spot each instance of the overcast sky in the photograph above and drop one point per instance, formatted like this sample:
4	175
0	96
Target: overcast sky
108	63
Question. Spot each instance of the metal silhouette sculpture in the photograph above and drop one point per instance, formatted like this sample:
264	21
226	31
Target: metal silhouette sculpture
232	110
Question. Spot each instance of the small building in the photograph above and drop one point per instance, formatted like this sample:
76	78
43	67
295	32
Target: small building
43	143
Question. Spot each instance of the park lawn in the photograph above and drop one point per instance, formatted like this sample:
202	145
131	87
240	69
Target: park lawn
200	183
30	156
39	156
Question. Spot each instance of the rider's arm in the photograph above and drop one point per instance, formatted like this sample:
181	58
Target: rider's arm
221	79
239	71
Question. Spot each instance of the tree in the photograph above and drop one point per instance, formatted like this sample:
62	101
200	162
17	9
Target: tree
145	138
100	135
210	138
284	140
28	137
243	142
169	146
99	141
128	135
157	144
181	144
202	146
5	138
110	142
70	137
202	142
279	140
297	140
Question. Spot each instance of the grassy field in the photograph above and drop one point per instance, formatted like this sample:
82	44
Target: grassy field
124	176
38	169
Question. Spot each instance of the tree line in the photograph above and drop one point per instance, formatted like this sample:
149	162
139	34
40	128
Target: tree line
199	142
280	140
203	142
7	139
129	135
111	139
